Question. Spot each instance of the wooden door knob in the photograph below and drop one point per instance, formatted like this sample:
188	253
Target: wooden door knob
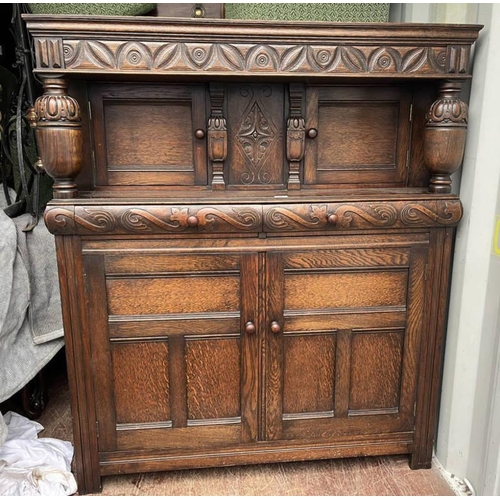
332	219
200	134
192	221
275	327
312	133
250	327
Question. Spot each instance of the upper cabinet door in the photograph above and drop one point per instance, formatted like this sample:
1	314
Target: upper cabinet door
357	135
149	135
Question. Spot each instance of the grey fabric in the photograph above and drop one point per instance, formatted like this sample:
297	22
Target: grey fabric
3	430
30	308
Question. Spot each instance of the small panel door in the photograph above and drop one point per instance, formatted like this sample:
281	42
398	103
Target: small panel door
363	135
174	360
343	337
145	135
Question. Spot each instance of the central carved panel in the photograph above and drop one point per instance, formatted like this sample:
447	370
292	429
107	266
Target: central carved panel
255	155
256	135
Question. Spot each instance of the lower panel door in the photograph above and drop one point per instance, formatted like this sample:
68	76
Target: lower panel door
173	366
343	335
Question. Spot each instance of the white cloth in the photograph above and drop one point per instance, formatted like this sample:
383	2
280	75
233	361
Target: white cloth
34	467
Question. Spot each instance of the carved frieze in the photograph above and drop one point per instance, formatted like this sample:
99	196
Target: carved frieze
251	218
361	215
152	219
112	55
261	58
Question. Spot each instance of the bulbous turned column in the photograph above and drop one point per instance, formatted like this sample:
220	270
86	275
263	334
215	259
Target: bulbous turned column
445	133
57	122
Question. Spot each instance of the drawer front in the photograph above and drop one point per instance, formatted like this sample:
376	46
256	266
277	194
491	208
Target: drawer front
145	135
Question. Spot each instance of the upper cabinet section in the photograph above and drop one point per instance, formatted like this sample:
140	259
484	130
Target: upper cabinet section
207	47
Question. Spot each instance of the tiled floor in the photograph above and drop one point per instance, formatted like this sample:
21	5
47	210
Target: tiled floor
360	476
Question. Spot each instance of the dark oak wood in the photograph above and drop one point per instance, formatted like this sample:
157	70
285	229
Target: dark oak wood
256	267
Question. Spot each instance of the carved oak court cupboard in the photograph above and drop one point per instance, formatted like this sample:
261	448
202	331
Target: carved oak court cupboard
254	226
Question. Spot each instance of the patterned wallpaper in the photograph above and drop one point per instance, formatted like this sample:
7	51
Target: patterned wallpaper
341	12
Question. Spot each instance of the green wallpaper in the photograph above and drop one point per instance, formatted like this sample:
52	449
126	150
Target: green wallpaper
103	9
341	12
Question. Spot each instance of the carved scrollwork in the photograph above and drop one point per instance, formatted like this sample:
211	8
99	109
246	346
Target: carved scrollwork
379	215
242	218
418	215
296	217
253	218
264	58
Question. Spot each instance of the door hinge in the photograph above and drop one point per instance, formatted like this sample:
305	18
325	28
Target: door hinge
408	158
410	117
415	409
89	106
97	427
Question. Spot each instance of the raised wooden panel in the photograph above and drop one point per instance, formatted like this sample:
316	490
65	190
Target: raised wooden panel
348	148
348	130
345	290
162	129
213	378
363	257
141	382
308	381
376	360
173	295
145	134
255	131
161	263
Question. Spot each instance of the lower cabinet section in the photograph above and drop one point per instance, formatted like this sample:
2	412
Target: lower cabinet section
214	352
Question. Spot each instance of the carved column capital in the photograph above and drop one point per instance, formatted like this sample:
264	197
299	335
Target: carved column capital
445	133
57	121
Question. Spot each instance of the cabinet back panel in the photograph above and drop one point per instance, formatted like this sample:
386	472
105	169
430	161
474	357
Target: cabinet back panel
309	366
345	290
141	381
213	378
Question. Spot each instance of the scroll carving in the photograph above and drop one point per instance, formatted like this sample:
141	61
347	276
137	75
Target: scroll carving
362	215
445	133
217	136
152	219
254	218
57	122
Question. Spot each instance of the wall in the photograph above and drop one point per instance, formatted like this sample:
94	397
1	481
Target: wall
469	424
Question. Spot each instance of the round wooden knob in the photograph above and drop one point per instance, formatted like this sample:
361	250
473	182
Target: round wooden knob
200	134
275	327
312	133
250	327
332	219
192	221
